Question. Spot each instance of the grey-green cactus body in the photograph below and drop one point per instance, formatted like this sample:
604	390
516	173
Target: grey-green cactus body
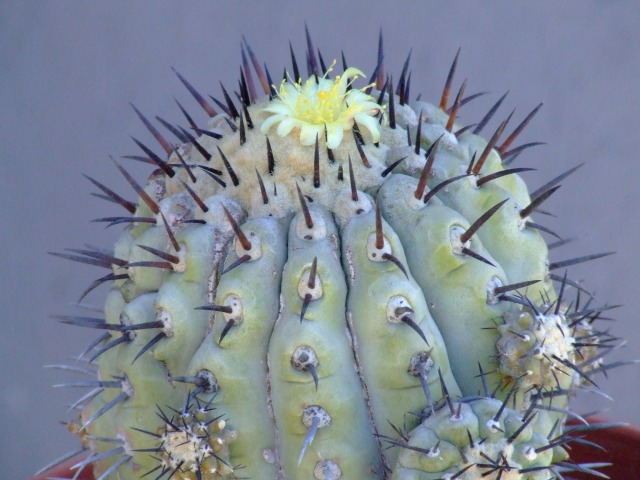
318	274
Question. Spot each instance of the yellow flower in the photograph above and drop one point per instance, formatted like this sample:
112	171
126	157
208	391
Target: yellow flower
322	103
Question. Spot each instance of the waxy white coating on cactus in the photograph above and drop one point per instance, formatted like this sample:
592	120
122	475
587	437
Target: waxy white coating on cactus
320	273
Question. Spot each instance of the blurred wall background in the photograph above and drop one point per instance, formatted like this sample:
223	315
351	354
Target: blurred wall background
68	70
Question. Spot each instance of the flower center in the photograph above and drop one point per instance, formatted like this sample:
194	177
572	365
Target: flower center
321	106
320	103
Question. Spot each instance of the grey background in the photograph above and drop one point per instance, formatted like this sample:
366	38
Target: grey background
69	69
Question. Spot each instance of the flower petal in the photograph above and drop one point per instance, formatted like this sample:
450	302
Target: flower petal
277	106
308	133
286	125
349	73
370	123
334	135
273	119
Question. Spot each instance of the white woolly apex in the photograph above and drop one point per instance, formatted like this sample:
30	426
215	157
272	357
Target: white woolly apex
307	135
283	161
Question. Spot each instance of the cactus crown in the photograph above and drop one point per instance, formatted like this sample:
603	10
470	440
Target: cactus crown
321	273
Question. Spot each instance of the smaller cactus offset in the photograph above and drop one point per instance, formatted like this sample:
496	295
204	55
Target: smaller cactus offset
329	279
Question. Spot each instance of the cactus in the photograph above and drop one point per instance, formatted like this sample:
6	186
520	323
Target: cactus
330	280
